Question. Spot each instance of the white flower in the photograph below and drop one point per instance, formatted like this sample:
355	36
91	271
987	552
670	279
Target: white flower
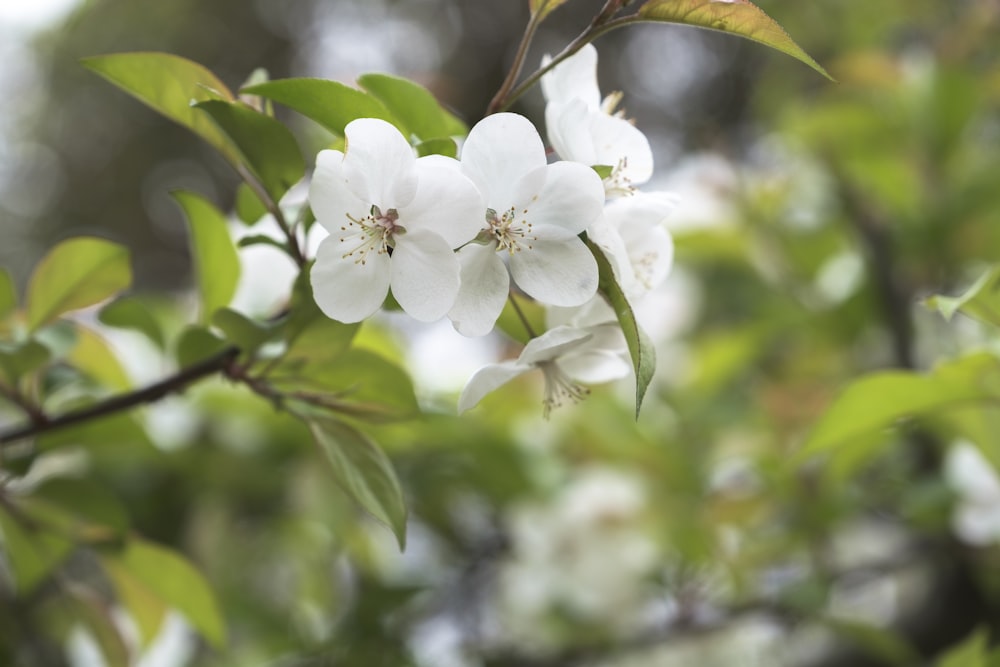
583	128
540	353
633	237
534	212
394	220
604	357
976	519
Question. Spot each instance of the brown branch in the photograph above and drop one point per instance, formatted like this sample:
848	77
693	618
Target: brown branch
219	362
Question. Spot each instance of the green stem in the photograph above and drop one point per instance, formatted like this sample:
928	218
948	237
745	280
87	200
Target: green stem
521	316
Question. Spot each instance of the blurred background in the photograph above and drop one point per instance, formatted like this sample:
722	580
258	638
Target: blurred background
813	218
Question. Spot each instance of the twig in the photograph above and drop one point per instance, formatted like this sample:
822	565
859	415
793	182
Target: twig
272	207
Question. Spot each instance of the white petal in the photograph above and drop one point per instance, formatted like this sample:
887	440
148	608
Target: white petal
609	239
499	150
645	208
346	290
652	257
570	197
379	164
551	344
568	127
330	198
616	139
485	284
424	275
557	273
574	77
595	366
487	379
447	202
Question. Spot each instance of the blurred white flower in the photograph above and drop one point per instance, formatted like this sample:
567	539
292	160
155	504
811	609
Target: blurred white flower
976	517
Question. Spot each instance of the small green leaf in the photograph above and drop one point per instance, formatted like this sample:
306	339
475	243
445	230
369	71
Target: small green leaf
216	264
169	84
262	239
249	207
96	616
543	8
31	553
146	608
879	400
443	146
93	356
128	312
170	577
414	106
330	103
738	17
981	301
19	359
973	651
197	344
363	471
603	170
77	273
268	148
243	332
8	295
640	347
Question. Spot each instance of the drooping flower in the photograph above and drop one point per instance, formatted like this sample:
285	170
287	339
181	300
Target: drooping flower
394	222
583	128
531	220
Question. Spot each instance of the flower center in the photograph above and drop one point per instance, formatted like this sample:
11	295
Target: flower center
617	183
559	388
373	232
512	234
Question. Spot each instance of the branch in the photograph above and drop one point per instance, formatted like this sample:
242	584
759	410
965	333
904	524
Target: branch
219	362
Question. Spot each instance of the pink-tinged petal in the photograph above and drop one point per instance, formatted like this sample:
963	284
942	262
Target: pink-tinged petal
485	284
557	273
616	140
487	379
425	275
499	150
346	290
447	202
553	344
570	197
569	130
330	198
575	77
379	164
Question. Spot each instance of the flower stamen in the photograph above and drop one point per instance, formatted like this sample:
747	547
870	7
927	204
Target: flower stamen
559	388
374	231
512	234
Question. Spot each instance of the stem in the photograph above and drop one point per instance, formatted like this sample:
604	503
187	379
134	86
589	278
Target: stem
499	101
272	207
595	30
32	411
521	315
218	362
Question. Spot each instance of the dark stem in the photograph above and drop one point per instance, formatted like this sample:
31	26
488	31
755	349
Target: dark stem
499	101
218	362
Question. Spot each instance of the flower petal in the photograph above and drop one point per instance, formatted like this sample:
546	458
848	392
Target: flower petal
379	164
558	273
447	202
616	139
568	128
575	77
487	379
346	290
485	284
570	197
499	150
425	274
552	344
331	200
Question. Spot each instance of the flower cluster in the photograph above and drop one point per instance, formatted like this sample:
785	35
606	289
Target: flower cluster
454	237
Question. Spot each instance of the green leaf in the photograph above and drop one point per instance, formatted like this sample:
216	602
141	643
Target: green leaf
879	400
268	148
31	553
981	301
97	618
78	507
330	103
249	207
8	295
543	8
887	646
414	106
603	170
19	359
169	84
973	651
738	17
243	332
128	312
197	344
171	578
443	146
216	264
363	471
640	347
93	356
77	273
145	607
262	239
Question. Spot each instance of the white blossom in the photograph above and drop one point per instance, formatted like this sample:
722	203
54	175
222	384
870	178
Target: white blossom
976	518
394	221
